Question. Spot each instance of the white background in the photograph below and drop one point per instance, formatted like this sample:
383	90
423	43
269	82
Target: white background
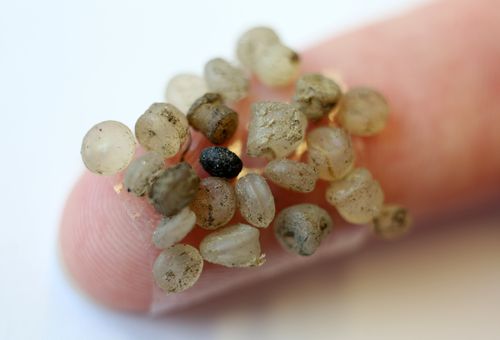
65	65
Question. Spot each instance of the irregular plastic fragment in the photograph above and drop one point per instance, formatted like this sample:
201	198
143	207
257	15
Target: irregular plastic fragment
142	172
276	130
316	95
174	189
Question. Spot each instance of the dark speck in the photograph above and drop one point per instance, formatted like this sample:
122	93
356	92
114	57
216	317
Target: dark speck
220	162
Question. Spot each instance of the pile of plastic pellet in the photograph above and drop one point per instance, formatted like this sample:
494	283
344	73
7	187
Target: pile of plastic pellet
275	132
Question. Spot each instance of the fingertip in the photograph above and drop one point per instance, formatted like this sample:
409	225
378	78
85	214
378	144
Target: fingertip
103	248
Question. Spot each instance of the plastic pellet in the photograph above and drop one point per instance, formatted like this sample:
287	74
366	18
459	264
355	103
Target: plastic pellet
174	189
275	130
219	161
261	51
162	128
184	89
214	204
316	95
142	172
278	65
108	148
227	80
363	111
292	175
211	117
234	246
301	228
392	222
253	43
330	151
255	200
177	268
358	197
171	230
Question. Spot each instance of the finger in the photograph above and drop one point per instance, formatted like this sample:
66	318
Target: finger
438	151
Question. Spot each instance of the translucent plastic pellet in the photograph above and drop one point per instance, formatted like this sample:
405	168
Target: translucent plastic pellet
330	151
358	197
253	42
278	65
184	89
363	111
162	128
211	117
108	148
392	222
227	80
142	172
214	204
275	130
234	246
255	200
177	268
173	229
174	189
316	95
292	175
301	228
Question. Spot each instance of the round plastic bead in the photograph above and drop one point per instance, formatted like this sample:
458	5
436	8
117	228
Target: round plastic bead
255	200
234	246
177	268
184	89
330	151
227	80
162	128
253	43
363	111
108	148
292	175
301	228
214	204
392	222
277	66
171	230
358	197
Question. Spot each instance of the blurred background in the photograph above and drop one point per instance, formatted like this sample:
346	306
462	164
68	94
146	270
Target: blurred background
65	65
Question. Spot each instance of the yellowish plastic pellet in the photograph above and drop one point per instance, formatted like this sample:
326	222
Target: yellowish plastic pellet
358	197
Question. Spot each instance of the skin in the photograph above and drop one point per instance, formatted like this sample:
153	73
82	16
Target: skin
437	66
